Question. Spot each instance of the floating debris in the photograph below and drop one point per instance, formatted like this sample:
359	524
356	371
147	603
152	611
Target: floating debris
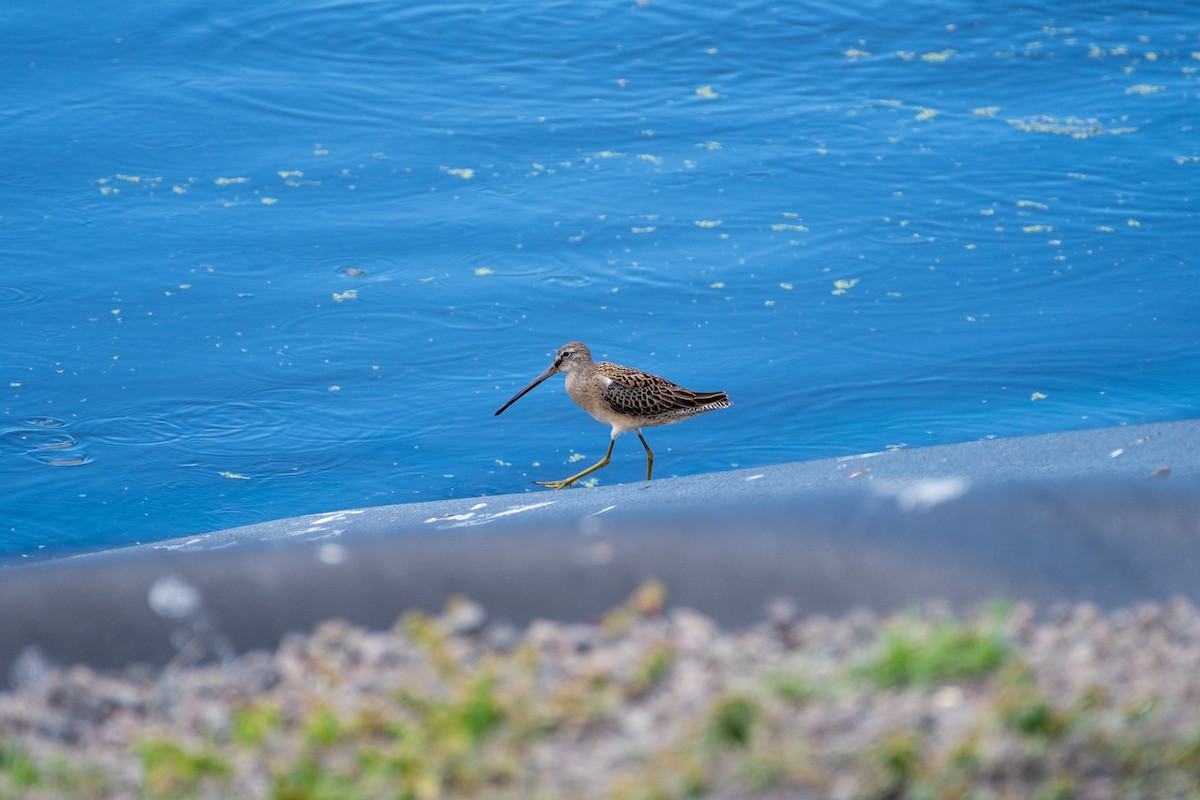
938	57
1077	127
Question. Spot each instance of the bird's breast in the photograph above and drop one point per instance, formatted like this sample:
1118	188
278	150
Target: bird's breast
588	393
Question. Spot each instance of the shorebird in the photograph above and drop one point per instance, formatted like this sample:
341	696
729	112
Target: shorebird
623	397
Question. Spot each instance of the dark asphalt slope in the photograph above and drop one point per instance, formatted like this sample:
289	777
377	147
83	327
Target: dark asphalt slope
1110	516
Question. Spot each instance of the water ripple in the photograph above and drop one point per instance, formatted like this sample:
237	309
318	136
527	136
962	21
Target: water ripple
65	460
367	36
46	422
15	296
45	440
174	423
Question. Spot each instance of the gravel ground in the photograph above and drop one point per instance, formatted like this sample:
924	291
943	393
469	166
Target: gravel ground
1006	702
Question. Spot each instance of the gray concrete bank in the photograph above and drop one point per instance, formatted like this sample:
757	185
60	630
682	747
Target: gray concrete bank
1110	516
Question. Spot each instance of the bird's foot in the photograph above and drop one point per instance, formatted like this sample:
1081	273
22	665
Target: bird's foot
555	484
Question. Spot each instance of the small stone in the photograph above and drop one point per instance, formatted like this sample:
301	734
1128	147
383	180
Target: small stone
30	670
782	611
581	637
501	635
462	617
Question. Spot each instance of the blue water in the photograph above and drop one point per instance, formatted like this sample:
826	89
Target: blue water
266	259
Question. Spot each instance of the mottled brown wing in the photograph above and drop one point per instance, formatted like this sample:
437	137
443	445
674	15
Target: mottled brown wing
636	393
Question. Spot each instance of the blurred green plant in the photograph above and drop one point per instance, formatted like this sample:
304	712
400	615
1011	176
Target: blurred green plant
732	721
911	654
173	771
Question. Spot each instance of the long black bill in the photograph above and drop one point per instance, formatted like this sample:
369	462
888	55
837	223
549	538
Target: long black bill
553	368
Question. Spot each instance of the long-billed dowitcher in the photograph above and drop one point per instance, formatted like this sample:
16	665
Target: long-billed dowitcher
625	398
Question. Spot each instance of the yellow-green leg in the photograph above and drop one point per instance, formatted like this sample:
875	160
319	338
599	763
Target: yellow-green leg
565	483
649	456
